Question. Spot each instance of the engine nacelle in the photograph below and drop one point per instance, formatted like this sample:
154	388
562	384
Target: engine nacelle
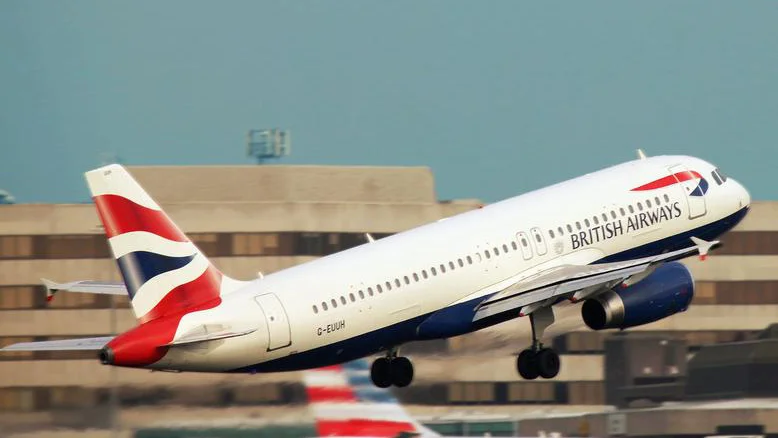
666	291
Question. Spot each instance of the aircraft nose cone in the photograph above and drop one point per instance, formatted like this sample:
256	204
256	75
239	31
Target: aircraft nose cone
744	196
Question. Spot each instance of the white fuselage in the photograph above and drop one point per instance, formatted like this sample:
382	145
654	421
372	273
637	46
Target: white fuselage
349	304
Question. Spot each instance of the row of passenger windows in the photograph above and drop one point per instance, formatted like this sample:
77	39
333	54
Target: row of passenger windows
613	214
415	277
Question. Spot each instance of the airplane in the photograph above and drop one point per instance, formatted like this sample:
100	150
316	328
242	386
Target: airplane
610	239
344	403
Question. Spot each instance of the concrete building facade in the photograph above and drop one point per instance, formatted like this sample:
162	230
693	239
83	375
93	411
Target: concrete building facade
265	218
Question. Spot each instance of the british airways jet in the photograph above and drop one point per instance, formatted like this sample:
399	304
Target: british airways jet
610	239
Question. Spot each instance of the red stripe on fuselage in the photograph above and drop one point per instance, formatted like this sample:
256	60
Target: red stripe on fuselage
322	394
187	296
362	427
668	180
120	215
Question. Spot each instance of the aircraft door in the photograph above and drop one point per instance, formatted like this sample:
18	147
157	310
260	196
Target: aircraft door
524	244
694	188
278	329
540	242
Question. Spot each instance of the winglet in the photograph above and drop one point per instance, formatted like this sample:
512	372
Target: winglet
369	238
641	154
703	246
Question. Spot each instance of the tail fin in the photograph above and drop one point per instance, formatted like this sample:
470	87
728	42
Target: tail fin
345	403
163	271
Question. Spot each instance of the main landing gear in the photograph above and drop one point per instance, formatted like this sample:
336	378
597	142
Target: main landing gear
391	370
538	361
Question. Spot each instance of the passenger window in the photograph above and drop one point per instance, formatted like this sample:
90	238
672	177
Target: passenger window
469	261
407	280
451	264
361	296
343	300
657	201
496	251
631	210
667	198
461	264
424	273
433	271
595	220
604	217
640	206
504	248
442	268
613	214
561	233
324	305
315	309
388	285
569	228
551	233
415	277
586	222
524	242
370	291
397	282
514	246
487	254
577	225
352	297
648	203
621	210
379	289
334	303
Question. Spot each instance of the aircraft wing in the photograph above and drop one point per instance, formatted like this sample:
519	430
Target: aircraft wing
581	281
84	286
83	344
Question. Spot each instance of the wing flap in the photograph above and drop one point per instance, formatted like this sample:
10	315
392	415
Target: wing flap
82	344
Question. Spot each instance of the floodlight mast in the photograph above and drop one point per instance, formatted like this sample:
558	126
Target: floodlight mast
268	144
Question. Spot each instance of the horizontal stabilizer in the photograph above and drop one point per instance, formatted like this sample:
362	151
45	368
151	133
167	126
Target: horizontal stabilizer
82	344
84	286
209	332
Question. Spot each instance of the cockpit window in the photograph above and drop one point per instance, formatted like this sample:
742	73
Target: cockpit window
716	177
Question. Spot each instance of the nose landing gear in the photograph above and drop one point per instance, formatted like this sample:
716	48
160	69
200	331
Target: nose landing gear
538	361
391	370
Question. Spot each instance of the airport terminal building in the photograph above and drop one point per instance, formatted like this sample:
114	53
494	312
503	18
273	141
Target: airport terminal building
252	219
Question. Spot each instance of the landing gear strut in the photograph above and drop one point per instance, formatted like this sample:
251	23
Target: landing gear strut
391	370
538	361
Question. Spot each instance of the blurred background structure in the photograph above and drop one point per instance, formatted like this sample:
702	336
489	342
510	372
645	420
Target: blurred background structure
251	218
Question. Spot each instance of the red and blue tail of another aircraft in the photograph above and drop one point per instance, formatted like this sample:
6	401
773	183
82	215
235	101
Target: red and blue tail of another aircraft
346	404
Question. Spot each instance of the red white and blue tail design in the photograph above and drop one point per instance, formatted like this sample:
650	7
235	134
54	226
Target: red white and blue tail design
345	403
163	271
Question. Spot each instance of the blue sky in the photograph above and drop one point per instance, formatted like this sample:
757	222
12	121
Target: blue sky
497	97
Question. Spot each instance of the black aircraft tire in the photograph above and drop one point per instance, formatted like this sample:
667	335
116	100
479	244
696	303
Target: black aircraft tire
527	366
380	373
547	362
401	372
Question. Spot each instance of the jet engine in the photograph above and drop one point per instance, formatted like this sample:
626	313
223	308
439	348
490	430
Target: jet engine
666	291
